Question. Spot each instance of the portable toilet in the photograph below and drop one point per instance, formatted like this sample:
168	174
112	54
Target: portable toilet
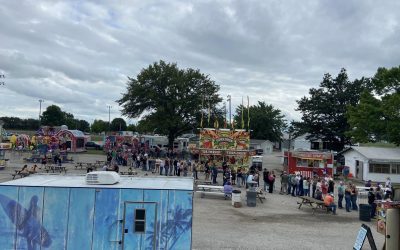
81	212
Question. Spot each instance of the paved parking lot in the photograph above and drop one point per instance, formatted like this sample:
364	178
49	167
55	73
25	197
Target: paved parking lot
275	224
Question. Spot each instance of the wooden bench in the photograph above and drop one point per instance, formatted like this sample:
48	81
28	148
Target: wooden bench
202	193
209	189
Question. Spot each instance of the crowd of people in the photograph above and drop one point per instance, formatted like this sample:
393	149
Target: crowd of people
294	184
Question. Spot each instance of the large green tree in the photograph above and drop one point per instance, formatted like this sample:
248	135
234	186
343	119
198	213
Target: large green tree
324	111
266	122
377	116
168	98
99	126
53	116
118	124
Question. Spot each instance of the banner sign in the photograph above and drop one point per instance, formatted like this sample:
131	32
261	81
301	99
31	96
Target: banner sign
312	155
224	139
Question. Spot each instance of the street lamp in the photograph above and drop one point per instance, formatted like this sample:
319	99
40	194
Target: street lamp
230	111
109	118
40	110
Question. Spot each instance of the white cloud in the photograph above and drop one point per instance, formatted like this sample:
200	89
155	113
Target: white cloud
78	54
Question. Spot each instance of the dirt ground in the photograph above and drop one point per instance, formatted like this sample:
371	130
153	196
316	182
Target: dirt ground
275	224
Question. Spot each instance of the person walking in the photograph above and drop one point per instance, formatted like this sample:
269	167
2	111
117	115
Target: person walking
271	182
266	179
300	191
284	182
347	197
354	195
341	190
314	186
207	171
195	167
214	171
239	177
166	166
176	165
306	191
371	202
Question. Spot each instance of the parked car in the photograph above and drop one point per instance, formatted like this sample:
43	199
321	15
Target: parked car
93	145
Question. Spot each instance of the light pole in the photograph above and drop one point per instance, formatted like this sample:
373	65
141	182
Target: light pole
109	118
40	110
230	111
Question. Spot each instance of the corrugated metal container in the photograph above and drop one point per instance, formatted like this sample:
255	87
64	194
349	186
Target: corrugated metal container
63	212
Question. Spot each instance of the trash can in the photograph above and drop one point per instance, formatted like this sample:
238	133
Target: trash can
236	197
365	212
251	198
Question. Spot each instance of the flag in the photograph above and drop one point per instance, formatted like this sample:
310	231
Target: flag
248	113
209	113
242	114
201	121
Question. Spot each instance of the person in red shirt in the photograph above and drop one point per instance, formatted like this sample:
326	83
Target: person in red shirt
329	202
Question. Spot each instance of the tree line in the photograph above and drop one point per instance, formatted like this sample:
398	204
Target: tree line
339	112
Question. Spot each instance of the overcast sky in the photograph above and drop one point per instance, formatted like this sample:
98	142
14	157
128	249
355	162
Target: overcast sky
78	54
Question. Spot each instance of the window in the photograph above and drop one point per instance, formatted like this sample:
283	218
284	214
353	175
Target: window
301	162
396	168
140	220
379	168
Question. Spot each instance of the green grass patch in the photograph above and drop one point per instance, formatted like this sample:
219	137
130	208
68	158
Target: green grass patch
95	152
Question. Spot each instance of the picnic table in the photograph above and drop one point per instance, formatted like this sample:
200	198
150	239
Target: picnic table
21	174
128	173
260	194
202	182
313	203
80	165
54	168
210	189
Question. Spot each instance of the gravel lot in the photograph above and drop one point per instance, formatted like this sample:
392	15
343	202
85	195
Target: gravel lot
275	224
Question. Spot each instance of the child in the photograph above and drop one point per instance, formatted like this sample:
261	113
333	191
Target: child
228	189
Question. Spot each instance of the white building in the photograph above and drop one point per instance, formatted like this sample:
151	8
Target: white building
373	163
266	145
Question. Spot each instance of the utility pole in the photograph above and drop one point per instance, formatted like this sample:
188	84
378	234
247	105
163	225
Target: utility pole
109	118
40	110
225	123
230	111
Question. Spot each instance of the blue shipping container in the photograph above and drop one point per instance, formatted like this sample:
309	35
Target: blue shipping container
63	212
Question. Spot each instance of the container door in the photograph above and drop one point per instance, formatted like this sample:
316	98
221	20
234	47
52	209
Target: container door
139	228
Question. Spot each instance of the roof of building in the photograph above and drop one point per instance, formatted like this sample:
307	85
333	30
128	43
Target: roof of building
377	153
78	181
258	142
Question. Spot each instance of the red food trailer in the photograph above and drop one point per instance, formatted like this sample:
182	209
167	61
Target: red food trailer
308	163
